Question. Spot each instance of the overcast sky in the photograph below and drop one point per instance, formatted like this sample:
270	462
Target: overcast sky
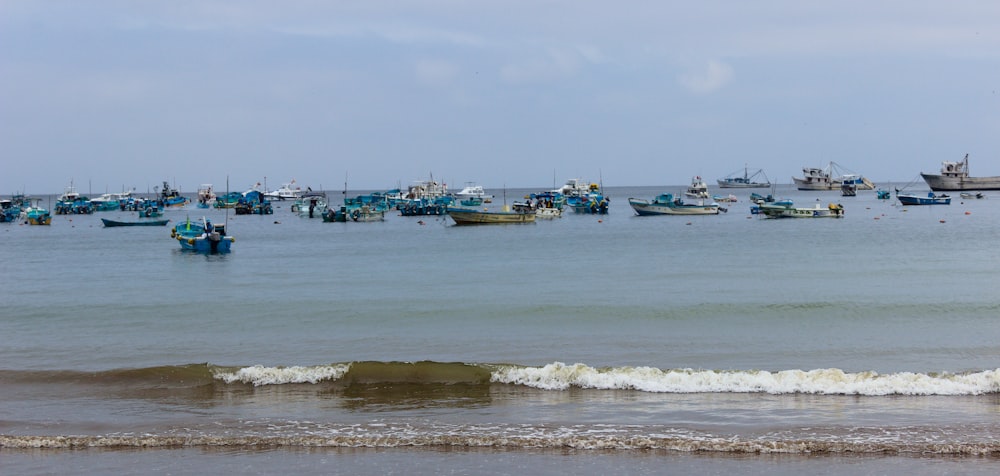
121	94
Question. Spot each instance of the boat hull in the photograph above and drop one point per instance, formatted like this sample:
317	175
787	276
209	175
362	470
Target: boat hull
915	200
940	183
473	217
645	208
114	223
786	211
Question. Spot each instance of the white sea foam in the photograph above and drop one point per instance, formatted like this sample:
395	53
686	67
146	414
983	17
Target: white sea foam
559	376
259	375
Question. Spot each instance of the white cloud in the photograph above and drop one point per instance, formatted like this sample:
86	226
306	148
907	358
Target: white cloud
714	76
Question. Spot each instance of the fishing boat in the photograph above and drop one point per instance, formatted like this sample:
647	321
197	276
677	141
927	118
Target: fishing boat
206	196
9	211
253	202
930	199
829	178
114	223
787	209
310	204
545	205
667	204
747	180
759	199
976	195
697	189
111	201
848	188
203	237
36	214
72	203
466	216
287	191
883	194
171	197
955	176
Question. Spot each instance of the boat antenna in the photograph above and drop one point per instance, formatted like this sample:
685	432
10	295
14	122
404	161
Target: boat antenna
227	208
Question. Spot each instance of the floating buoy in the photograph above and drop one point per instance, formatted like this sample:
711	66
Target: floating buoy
941	221
276	222
688	223
420	222
600	221
876	218
968	213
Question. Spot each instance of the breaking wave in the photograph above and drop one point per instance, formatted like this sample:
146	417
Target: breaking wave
555	376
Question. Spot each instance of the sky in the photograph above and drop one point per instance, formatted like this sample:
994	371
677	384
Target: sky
122	94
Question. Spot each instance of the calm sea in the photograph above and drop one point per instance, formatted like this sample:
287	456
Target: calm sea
585	344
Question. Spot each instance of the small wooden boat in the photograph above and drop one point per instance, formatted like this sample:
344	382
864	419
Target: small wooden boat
465	216
111	223
930	199
202	237
786	209
976	195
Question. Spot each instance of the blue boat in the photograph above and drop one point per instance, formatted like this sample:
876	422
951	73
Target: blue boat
253	202
203	237
930	199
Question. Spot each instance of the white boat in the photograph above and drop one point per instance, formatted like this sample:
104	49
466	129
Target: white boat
574	187
471	191
311	205
206	196
426	189
697	189
829	178
287	191
786	209
976	195
746	180
955	176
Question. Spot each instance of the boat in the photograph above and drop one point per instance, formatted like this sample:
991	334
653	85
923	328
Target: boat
697	189
787	209
829	178
573	187
667	204
883	194
467	216
930	199
206	196
202	237
171	197
111	201
364	213
475	192
310	205
547	205
113	223
36	214
747	180
287	191
725	199
72	203
253	202
955	176
9	211
848	188
759	199
228	200
977	195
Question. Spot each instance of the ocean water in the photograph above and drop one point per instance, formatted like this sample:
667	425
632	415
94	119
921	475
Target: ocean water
583	344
